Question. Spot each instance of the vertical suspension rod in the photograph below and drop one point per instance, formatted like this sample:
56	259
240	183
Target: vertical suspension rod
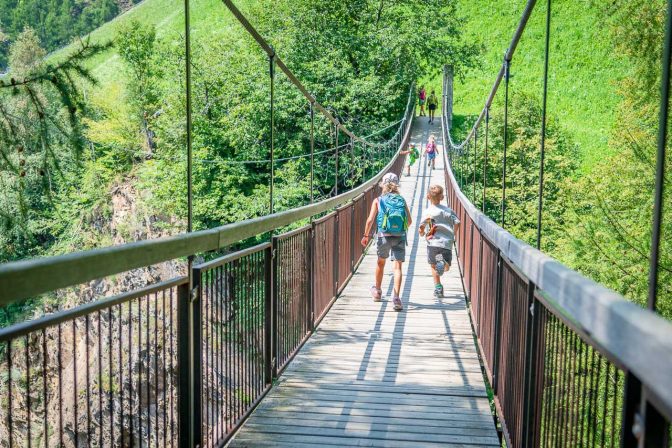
312	151
543	123
660	163
336	170
271	69
187	54
485	158
507	67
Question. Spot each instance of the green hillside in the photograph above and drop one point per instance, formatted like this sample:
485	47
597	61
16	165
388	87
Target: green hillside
582	74
208	17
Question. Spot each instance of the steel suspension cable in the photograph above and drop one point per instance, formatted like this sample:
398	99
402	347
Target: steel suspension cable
290	75
508	56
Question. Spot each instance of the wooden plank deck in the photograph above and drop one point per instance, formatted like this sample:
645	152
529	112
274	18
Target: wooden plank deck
371	376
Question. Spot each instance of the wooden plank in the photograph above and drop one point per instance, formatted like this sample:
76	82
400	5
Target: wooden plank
273	439
363	432
370	376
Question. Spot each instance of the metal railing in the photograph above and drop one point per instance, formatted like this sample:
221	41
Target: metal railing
570	363
185	361
173	365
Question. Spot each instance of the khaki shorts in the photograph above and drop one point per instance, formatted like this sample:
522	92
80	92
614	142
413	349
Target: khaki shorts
432	252
394	244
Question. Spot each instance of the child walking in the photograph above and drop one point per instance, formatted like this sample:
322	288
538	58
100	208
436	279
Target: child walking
432	103
431	151
438	226
393	218
413	155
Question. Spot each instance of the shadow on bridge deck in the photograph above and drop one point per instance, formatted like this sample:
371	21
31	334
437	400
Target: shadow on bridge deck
373	377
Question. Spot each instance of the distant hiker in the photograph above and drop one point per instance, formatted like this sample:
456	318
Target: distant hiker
392	216
432	103
431	151
439	224
422	97
413	155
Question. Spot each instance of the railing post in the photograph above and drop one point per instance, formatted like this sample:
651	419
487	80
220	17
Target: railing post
274	307
632	397
185	369
471	262
352	237
497	323
336	253
531	374
268	310
195	300
311	279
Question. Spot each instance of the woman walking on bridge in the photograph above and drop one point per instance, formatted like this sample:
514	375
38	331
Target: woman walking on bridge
393	218
422	97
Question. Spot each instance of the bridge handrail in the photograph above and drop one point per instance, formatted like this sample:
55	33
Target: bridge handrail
640	339
636	340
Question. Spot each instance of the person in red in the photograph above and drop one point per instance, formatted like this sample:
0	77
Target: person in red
422	97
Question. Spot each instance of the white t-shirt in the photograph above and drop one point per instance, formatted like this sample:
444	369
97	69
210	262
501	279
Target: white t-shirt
442	219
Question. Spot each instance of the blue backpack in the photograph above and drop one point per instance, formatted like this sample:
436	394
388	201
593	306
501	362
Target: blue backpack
392	215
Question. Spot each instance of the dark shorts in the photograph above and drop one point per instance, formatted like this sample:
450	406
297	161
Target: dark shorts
432	107
431	155
432	252
394	244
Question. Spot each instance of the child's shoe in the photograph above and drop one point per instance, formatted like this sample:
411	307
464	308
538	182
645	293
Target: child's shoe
440	265
398	306
438	291
376	294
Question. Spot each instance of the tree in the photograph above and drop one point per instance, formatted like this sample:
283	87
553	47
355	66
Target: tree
40	136
135	44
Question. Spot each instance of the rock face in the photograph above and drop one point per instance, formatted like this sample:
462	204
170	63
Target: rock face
107	378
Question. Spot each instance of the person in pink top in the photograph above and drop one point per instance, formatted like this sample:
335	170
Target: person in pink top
422	97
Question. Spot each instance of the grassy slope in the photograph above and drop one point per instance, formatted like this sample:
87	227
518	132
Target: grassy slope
582	92
207	17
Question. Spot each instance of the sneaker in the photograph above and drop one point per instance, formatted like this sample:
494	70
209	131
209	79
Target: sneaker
398	306
438	291
440	265
376	294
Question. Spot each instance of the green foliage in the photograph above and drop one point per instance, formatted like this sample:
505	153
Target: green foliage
615	204
40	139
597	219
522	176
583	68
136	47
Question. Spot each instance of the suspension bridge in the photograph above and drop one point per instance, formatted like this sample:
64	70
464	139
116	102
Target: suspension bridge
279	344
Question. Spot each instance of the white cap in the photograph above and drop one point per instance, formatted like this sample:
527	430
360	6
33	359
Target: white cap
390	178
